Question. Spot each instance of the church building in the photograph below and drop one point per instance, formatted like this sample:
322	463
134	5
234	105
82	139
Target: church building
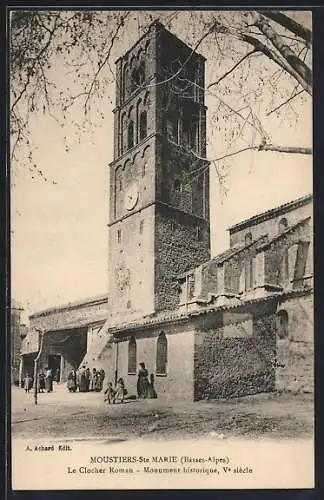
235	324
239	323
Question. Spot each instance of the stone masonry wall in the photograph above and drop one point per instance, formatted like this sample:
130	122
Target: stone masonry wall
56	318
177	249
233	360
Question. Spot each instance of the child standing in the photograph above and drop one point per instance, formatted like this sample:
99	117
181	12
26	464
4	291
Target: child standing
27	383
110	394
120	390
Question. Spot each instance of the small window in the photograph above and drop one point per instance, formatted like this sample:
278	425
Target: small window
282	324
143	125
129	304
119	235
120	184
141	228
161	354
130	134
132	362
283	224
199	233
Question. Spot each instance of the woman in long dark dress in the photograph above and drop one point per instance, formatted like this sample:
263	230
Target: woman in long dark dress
49	380
87	378
41	382
72	381
102	375
82	380
98	382
151	392
142	382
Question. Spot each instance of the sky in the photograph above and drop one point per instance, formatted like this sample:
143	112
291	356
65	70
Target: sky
58	230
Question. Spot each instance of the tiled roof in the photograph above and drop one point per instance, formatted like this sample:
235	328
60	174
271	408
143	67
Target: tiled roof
268	214
170	316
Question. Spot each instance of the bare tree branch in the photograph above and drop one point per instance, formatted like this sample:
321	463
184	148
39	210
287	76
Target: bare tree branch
277	58
285	149
113	38
285	102
232	69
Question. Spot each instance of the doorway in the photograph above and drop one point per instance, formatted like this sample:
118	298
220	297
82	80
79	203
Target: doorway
54	364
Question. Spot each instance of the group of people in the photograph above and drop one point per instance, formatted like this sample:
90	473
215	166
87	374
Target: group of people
44	381
145	387
85	380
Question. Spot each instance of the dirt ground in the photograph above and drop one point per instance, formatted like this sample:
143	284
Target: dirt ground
83	415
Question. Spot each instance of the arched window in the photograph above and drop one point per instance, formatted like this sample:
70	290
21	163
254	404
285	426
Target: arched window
161	354
124	82
248	272
123	135
130	134
141	72
248	238
283	224
132	362
135	80
284	272
143	125
282	324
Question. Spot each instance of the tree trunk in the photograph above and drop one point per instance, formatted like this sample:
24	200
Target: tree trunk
289	24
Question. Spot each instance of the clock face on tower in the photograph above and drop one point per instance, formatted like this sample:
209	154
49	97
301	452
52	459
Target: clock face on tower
131	196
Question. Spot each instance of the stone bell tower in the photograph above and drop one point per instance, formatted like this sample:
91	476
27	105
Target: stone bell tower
159	180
